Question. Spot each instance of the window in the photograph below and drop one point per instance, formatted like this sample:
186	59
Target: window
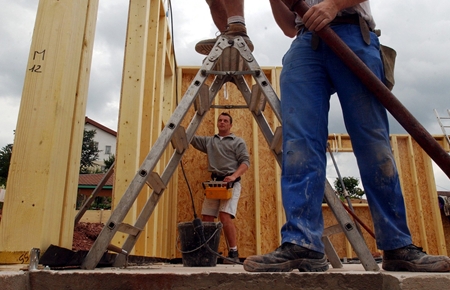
107	149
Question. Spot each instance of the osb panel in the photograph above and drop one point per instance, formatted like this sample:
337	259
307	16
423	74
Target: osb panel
428	201
408	184
268	182
446	225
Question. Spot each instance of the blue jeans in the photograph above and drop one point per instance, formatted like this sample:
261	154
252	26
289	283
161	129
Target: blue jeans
308	79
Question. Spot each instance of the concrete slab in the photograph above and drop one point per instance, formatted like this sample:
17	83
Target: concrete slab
170	276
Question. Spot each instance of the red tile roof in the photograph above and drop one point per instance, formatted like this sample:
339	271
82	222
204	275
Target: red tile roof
94	179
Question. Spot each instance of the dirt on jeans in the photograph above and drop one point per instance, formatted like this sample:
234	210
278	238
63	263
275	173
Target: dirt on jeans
84	235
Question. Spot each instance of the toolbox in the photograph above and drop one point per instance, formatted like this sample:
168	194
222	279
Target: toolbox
217	190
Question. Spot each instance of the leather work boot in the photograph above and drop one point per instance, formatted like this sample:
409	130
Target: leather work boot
233	257
286	258
413	259
233	30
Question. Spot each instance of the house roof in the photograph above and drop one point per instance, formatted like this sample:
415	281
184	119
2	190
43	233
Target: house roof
444	193
100	126
94	179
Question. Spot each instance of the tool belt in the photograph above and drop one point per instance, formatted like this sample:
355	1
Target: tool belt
387	54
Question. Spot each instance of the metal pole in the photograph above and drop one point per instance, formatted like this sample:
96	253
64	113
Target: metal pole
384	95
344	190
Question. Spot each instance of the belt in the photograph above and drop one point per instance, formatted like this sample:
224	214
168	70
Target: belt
217	177
347	19
353	19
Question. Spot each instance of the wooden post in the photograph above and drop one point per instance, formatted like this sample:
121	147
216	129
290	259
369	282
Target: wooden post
131	115
40	202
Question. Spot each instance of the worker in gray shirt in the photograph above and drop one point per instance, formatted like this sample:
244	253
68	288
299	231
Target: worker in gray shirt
228	159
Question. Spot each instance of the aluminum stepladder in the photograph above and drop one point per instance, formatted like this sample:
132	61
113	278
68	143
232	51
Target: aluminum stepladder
229	60
444	122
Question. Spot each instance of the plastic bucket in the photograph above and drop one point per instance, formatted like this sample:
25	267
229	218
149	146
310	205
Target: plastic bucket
193	253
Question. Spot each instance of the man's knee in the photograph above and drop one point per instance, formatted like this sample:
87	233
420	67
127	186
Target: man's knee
225	218
208	218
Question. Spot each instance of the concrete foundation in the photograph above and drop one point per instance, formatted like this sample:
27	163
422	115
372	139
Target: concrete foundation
166	276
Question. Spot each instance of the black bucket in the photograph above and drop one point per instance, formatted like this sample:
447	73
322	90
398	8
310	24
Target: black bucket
193	253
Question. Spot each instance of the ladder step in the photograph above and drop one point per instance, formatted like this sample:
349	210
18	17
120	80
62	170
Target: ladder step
179	140
258	100
331	230
277	141
156	183
201	104
129	229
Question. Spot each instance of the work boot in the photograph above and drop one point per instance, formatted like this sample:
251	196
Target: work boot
233	30
286	258
413	259
233	257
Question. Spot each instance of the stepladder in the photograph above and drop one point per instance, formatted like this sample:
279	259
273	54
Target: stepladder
444	123
230	60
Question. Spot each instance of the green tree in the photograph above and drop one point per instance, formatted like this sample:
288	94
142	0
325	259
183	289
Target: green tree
109	162
5	160
89	151
351	185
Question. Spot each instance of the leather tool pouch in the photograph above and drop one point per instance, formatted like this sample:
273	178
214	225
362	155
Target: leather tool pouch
388	57
387	54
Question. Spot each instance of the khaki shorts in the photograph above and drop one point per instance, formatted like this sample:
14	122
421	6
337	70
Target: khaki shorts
212	207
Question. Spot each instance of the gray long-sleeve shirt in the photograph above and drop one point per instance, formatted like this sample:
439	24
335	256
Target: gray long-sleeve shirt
224	155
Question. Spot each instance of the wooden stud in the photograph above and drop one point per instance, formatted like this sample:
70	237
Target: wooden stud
43	177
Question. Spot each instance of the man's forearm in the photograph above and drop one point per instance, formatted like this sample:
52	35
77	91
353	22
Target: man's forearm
241	170
283	17
321	14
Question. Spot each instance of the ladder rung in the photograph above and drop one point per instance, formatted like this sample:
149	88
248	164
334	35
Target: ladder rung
258	100
128	229
156	183
179	140
331	230
277	141
201	104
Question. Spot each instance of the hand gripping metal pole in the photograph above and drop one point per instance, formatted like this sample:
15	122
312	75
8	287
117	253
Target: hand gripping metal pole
384	95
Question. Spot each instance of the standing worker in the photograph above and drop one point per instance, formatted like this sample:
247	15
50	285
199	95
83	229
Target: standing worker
228	159
311	73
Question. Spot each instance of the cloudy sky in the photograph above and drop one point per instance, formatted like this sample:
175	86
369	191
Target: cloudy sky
419	32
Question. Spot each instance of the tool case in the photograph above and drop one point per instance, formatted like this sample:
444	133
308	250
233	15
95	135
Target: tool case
217	189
